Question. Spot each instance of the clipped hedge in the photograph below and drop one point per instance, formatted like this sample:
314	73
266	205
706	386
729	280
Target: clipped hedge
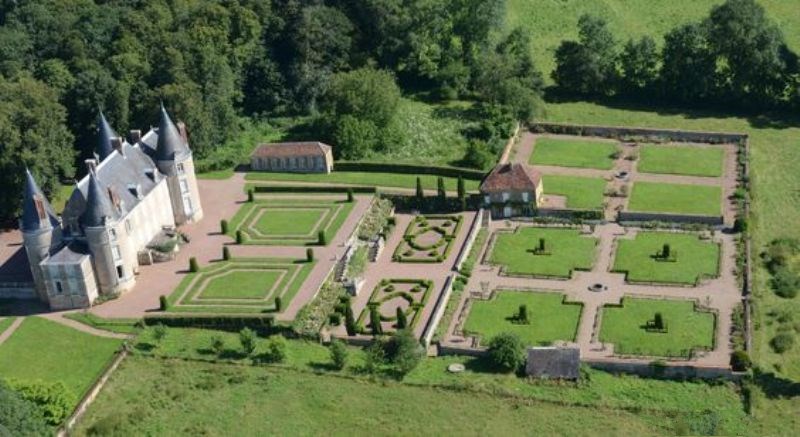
311	189
382	167
258	323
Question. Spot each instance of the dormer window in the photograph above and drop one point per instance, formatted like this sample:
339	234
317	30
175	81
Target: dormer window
180	169
150	173
135	190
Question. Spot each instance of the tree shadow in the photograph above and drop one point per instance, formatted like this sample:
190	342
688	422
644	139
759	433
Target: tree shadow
145	347
774	386
322	367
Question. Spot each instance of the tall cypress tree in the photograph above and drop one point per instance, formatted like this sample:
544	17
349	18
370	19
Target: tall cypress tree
402	321
441	192
420	193
375	321
462	193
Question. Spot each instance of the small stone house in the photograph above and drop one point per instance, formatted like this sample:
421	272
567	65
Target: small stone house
553	362
512	190
299	157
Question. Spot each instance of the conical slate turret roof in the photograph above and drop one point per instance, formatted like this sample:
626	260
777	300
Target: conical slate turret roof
170	146
98	205
104	135
33	218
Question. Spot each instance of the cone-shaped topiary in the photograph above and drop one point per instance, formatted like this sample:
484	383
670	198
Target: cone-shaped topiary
193	266
223	226
402	321
226	253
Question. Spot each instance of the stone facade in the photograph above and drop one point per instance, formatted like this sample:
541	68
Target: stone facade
135	192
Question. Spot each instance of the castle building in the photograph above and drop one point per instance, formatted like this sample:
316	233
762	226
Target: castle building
133	191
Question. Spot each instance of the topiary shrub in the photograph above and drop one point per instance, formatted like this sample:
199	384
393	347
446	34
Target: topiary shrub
278	303
223	226
350	321
193	266
740	361
309	255
338	350
375	321
350	195
226	253
247	338
402	321
782	342
250	195
275	349
163	304
239	237
335	319
506	351
321	238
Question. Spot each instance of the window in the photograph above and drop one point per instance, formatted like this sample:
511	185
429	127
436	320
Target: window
180	169
487	199
128	226
112	234
505	196
59	287
120	272
116	253
525	196
184	185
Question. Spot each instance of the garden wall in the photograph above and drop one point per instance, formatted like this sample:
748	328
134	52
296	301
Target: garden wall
473	232
438	311
628	216
645	133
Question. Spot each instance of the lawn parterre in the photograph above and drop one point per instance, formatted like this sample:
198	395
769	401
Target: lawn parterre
370	179
428	239
567	250
686	328
682	160
573	153
705	200
240	285
692	258
5	323
289	221
550	318
410	295
581	192
41	350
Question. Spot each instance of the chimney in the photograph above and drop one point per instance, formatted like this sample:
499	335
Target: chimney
91	165
116	144
182	130
136	136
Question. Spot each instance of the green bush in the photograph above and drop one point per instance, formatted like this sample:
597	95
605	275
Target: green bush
53	400
506	351
309	254
278	304
223	226
404	351
374	357
740	361
250	195
19	416
350	195
163	304
226	253
402	321
322	240
275	349
159	332
247	338
782	342
239	237
785	282
260	323
350	321
335	319
375	321
217	344
193	266
338	351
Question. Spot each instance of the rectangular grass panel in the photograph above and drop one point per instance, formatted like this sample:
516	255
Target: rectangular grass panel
573	153
288	221
567	250
41	350
581	192
703	200
682	160
693	258
549	318
243	284
686	328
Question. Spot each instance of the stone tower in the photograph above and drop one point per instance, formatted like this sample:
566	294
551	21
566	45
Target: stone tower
41	231
174	159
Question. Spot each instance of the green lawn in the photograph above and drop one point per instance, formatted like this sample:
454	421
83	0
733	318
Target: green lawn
703	200
581	193
682	160
241	284
122	326
50	352
573	153
687	328
549	318
694	258
288	221
568	251
5	323
372	179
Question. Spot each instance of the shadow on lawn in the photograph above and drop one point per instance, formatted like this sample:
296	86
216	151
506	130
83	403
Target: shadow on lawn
776	387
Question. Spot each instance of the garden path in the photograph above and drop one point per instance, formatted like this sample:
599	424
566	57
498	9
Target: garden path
10	330
59	318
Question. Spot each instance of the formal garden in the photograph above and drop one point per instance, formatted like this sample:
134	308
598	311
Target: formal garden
365	178
241	285
669	258
681	160
395	304
538	318
599	154
538	251
428	239
657	327
704	200
580	192
289	221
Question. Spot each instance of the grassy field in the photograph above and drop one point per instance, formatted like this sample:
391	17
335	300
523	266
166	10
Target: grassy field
5	323
694	258
573	153
568	250
290	221
682	160
549	22
581	193
687	328
676	198
361	178
47	351
549	318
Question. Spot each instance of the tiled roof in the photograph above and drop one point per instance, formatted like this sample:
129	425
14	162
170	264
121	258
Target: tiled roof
553	362
30	220
511	177
282	150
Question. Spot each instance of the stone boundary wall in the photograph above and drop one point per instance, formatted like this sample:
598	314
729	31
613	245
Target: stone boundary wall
17	290
510	144
628	216
438	311
477	222
667	370
91	395
619	132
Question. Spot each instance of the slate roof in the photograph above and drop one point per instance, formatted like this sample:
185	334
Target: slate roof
71	253
516	176
553	362
104	135
284	150
169	144
30	220
98	204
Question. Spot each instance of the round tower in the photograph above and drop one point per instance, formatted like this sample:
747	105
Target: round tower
41	231
174	159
